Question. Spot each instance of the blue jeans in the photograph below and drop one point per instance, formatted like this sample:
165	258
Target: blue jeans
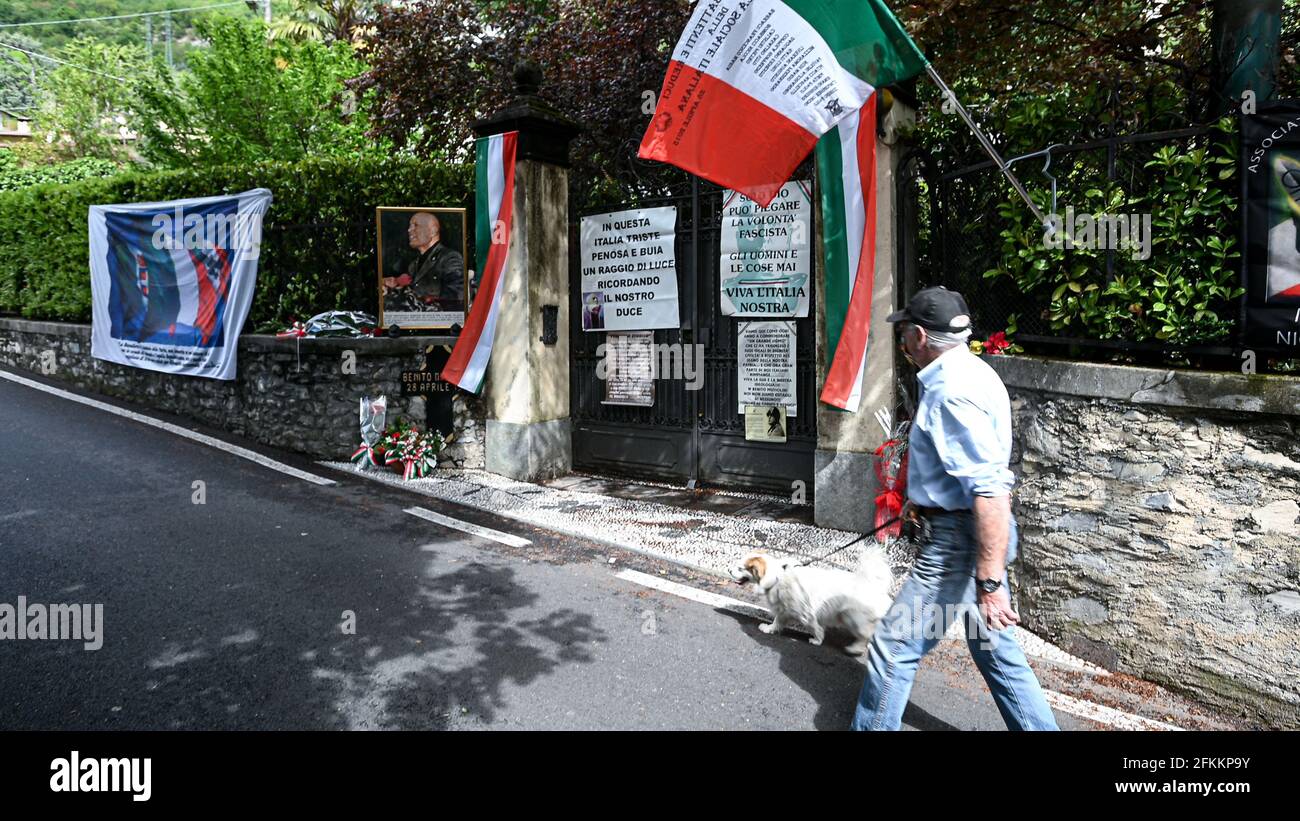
940	589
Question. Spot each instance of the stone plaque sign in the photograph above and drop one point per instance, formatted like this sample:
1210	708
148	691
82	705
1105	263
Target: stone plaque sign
438	394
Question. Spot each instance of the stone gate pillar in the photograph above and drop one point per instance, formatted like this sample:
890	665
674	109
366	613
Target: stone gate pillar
526	391
845	486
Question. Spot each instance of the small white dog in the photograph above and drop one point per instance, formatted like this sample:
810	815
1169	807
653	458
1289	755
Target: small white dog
816	598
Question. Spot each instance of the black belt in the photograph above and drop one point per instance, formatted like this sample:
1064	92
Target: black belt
922	510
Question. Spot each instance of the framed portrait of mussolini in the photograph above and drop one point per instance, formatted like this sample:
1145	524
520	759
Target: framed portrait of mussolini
423	275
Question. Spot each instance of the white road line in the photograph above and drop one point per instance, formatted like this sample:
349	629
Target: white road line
468	527
210	441
694	594
1087	709
1106	715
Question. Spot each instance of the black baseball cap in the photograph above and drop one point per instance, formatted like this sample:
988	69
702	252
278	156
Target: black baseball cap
935	309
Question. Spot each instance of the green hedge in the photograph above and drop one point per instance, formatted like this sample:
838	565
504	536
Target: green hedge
318	251
13	176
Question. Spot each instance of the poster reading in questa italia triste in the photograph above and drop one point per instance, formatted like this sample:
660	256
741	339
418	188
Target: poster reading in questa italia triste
629	270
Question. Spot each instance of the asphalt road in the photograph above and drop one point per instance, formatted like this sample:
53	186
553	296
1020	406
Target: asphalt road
230	614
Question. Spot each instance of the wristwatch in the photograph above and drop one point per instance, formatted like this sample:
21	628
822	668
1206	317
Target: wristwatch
989	585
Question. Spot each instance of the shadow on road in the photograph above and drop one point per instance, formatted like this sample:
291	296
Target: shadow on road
832	678
466	633
439	639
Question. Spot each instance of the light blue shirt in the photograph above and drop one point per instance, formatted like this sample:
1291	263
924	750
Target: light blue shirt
960	443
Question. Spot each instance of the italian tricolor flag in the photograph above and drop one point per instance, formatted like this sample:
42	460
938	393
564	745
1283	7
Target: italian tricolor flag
753	84
846	171
752	87
494	207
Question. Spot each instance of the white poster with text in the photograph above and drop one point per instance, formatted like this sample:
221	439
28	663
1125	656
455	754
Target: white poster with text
765	365
766	259
629	270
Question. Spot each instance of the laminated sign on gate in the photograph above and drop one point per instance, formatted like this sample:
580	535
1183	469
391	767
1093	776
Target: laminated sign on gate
629	270
171	282
766	372
766	254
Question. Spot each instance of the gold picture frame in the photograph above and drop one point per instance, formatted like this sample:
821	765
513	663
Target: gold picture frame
400	282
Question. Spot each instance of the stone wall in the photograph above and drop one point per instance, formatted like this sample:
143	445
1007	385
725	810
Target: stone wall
1160	514
293	394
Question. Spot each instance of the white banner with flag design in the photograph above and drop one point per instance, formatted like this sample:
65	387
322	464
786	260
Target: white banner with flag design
172	282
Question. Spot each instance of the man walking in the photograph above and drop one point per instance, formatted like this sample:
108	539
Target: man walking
959	487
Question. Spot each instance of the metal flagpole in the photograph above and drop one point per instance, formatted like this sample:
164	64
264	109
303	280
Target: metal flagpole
984	141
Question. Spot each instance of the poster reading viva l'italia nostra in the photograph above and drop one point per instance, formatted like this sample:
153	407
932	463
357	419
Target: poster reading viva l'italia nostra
766	254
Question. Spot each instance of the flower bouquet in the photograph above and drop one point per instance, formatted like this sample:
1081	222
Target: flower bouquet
891	473
410	452
373	413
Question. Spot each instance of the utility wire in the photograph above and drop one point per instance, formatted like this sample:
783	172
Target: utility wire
121	16
62	62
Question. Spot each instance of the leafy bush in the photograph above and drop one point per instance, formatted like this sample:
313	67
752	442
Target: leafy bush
1183	294
436	67
318	251
86	113
13	175
247	99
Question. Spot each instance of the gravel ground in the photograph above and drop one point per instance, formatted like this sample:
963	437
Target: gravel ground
703	540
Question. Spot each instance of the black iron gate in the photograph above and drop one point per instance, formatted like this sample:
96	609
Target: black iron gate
689	434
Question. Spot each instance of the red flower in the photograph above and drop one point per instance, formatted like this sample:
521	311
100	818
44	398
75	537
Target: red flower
997	343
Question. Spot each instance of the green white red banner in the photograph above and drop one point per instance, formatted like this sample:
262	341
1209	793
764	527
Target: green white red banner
495	193
753	84
846	170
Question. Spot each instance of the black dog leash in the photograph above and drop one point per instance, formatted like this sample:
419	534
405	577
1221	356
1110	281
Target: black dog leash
852	543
